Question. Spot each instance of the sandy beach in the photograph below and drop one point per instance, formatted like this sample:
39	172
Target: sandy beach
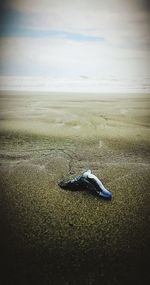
52	236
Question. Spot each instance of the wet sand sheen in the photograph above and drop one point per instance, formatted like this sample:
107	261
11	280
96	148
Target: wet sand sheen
52	236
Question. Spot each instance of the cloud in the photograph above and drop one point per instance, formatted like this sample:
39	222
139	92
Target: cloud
115	21
44	5
69	39
65	58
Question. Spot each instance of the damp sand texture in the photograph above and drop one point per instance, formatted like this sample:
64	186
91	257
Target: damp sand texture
52	236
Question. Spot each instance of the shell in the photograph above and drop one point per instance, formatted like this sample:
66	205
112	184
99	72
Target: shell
79	183
87	181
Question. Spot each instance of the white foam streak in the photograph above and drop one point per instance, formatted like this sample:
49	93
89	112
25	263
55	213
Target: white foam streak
74	85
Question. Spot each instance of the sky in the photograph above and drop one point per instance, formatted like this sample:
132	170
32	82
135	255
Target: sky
67	45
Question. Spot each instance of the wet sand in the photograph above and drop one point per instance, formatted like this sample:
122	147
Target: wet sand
52	236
